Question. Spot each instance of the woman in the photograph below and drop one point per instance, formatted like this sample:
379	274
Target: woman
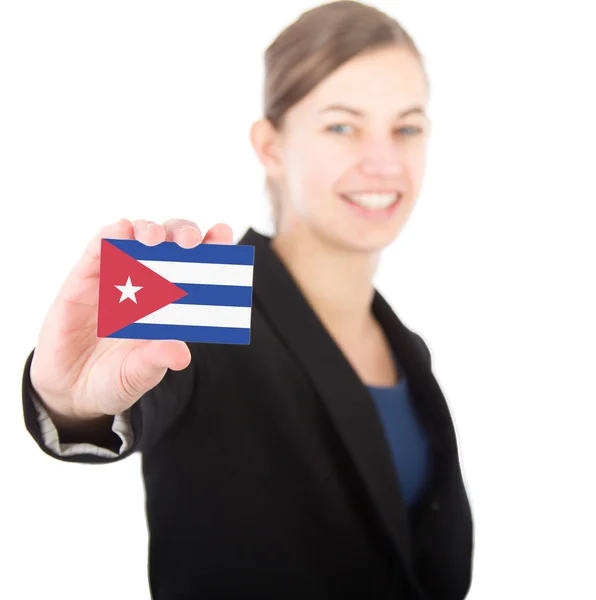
320	461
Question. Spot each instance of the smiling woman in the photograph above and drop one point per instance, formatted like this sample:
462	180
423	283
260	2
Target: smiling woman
345	85
318	460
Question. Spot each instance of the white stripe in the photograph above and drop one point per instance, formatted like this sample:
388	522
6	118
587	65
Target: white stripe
200	315
205	273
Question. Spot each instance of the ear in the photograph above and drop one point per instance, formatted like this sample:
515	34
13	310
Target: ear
265	142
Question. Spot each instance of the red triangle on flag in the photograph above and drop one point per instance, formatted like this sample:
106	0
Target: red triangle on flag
115	268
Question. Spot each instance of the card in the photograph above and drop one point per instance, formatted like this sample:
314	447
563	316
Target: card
166	292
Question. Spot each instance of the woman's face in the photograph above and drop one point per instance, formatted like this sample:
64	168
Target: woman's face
357	139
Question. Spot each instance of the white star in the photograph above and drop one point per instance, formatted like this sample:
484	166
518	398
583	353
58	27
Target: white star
129	290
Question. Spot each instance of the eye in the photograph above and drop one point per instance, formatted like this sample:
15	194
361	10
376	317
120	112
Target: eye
337	126
412	130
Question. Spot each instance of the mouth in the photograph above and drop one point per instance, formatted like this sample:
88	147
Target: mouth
377	205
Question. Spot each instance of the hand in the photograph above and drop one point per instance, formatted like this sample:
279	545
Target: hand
81	377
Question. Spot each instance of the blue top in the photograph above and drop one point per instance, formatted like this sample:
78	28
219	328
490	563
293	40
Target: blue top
406	437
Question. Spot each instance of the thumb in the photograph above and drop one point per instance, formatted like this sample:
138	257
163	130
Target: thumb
146	366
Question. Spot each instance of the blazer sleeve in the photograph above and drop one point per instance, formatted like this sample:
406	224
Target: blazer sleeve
136	430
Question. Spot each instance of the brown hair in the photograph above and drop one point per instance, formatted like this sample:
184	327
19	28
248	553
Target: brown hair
315	45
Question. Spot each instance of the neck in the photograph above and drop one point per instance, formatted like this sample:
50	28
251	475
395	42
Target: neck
336	281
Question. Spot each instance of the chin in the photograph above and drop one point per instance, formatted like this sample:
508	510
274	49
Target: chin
373	244
361	241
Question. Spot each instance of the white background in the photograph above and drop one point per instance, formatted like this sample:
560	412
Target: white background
142	110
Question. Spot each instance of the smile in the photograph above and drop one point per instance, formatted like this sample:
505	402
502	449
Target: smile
373	206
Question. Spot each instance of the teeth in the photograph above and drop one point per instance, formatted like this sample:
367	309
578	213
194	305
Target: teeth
373	200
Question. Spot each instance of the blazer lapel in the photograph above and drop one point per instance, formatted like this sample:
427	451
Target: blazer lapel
345	397
429	401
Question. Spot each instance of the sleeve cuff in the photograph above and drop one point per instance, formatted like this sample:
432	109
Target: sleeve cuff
121	427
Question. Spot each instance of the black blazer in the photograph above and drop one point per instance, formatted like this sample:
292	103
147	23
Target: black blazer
267	473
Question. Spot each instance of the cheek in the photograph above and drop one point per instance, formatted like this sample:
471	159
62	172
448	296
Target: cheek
329	163
317	171
414	165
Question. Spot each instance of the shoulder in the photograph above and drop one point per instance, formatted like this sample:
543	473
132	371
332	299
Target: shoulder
423	346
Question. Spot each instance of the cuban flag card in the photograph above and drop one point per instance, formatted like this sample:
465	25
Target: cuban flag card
166	292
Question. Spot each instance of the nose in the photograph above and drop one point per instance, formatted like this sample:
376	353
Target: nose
382	158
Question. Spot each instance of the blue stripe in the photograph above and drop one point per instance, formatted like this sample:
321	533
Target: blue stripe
213	335
223	254
216	295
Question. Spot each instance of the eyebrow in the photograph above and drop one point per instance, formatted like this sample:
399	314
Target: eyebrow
358	113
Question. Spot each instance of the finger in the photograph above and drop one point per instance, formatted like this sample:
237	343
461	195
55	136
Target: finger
184	232
88	265
149	232
219	234
123	229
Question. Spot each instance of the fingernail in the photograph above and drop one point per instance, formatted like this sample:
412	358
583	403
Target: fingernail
149	225
187	227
